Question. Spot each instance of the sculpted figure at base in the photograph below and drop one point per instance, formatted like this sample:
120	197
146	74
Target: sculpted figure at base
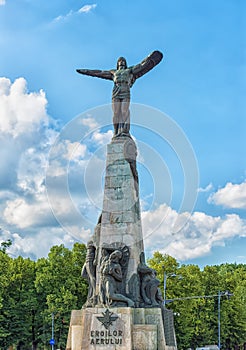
89	268
149	284
123	78
111	277
89	272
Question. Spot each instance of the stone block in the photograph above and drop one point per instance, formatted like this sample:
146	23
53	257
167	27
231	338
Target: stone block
76	317
115	147
109	229
116	158
118	217
154	316
144	337
114	169
77	336
139	316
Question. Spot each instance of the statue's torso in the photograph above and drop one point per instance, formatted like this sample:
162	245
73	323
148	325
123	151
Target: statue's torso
122	82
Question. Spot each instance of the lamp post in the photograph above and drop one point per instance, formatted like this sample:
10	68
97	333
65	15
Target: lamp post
219	295
219	319
52	340
166	276
228	295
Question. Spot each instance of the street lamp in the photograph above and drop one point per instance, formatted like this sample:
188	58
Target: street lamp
52	340
228	295
219	295
166	276
52	329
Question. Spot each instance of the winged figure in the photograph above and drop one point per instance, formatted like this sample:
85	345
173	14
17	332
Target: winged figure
123	78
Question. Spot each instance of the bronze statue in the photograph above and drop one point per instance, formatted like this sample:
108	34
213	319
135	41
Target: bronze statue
111	274
89	272
149	286
123	78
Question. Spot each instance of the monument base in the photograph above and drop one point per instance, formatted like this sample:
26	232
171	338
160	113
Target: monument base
121	328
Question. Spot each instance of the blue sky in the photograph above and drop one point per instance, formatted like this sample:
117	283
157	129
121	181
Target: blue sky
198	88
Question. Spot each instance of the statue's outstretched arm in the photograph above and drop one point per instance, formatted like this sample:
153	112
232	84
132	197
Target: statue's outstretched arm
104	74
147	64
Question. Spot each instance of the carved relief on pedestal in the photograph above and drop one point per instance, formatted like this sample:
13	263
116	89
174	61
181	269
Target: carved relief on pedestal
113	269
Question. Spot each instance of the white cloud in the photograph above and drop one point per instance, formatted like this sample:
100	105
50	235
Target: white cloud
63	17
90	122
231	196
87	8
38	245
208	188
71	151
102	138
2	2
84	9
196	236
21	112
26	134
23	214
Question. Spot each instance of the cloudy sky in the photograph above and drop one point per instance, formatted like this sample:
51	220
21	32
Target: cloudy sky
188	119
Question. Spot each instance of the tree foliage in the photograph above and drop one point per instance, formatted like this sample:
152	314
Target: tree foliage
30	291
194	299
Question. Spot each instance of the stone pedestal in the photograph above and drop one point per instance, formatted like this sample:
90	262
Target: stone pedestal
120	328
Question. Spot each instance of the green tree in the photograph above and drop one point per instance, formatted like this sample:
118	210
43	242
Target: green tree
197	301
5	273
61	288
5	245
20	303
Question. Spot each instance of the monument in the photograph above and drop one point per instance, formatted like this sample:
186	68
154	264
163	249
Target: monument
124	308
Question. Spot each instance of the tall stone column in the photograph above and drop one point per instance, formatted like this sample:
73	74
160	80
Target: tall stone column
121	219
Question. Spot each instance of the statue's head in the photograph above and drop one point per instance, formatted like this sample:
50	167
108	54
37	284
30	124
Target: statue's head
116	255
121	62
90	244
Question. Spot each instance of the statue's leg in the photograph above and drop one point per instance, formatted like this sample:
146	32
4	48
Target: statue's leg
125	111
121	297
153	291
116	106
144	295
112	296
102	292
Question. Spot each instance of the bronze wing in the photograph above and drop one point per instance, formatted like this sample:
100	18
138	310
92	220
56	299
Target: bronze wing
104	74
147	64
